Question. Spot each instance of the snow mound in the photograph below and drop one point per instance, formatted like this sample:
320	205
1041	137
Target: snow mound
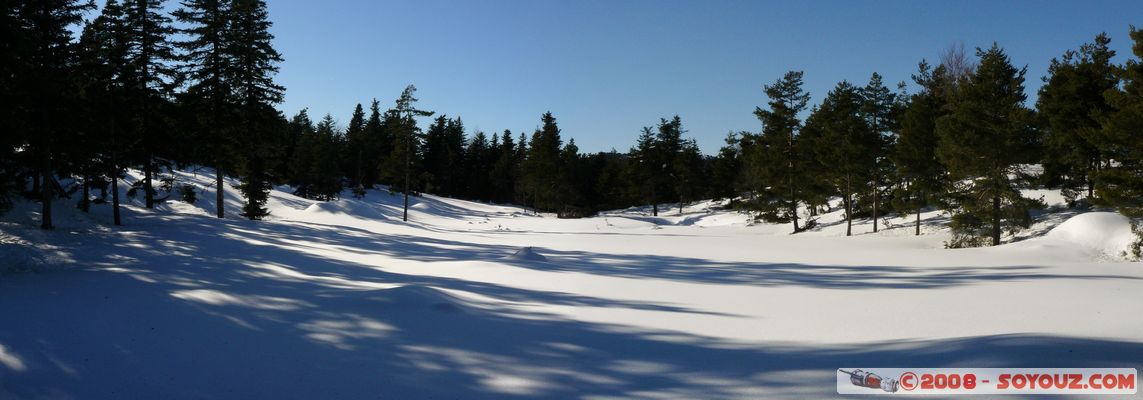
1108	233
353	208
16	257
526	254
416	298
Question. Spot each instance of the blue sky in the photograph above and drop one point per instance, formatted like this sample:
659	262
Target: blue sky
608	68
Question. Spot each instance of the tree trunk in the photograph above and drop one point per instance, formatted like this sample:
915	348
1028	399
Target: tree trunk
47	192
995	219
36	187
876	198
1091	182
114	179
794	207
848	207
920	206
219	206
148	186
85	203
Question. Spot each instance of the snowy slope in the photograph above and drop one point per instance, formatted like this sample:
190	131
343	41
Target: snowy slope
470	300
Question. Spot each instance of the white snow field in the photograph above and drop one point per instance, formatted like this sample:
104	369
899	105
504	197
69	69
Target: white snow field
342	300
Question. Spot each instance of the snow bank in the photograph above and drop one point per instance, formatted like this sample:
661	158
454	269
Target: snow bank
17	257
1108	233
418	298
526	254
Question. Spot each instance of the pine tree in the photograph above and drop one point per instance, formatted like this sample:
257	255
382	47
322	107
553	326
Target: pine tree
252	66
915	158
690	173
542	165
150	57
775	157
103	62
406	142
1120	180
503	173
982	142
726	169
648	163
303	134
356	142
324	172
477	166
847	144
879	108
45	83
205	65
1069	104
377	145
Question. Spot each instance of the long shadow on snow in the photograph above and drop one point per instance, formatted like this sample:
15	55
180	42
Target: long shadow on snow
686	269
315	328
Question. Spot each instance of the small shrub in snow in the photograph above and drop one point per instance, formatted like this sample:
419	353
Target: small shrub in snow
189	193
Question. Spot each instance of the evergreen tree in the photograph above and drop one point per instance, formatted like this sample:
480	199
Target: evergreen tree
252	66
206	63
915	158
1069	104
776	156
690	173
982	142
377	145
477	167
151	59
504	169
45	84
325	173
847	144
649	164
406	142
1120	179
726	169
356	144
542	165
879	108
102	59
303	135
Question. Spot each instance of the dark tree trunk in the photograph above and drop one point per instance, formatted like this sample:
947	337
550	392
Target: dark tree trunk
219	207
147	187
48	193
876	199
995	219
114	179
85	203
848	207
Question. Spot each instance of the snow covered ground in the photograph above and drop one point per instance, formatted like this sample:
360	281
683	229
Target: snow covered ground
469	300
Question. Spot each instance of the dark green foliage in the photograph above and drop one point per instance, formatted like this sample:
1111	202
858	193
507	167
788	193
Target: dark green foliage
881	111
1120	182
773	158
250	74
1070	103
983	141
725	169
541	167
922	176
846	144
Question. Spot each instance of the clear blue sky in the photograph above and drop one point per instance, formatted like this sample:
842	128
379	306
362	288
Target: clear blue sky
608	68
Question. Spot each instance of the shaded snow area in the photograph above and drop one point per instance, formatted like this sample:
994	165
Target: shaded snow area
342	300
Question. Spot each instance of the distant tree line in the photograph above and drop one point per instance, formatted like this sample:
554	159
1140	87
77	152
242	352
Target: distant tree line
140	89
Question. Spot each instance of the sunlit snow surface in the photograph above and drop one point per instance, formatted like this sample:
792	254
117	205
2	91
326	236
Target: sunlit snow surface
468	300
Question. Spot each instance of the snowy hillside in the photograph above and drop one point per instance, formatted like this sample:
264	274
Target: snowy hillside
468	300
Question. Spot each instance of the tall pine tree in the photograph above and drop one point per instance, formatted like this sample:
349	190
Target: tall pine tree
1070	103
983	141
251	69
